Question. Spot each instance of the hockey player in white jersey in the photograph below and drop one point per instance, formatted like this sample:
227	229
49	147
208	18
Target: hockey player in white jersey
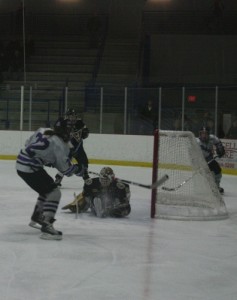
46	147
210	146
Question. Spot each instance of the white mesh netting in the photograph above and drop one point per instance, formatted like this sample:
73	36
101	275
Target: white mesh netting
191	192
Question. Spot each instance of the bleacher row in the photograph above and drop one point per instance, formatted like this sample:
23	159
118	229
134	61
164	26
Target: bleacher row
68	61
63	59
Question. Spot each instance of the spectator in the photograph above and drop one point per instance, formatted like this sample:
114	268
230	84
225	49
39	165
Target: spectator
148	118
177	124
206	117
187	123
210	124
232	132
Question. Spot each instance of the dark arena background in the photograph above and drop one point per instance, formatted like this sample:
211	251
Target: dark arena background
129	69
107	58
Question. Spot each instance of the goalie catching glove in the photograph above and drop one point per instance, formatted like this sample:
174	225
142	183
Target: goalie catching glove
79	204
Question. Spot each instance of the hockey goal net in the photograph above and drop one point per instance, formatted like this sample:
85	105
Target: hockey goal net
190	193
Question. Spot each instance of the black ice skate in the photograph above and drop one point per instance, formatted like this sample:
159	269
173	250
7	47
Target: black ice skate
37	219
48	231
221	190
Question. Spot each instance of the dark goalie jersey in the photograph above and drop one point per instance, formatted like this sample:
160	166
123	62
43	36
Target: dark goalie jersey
78	152
116	195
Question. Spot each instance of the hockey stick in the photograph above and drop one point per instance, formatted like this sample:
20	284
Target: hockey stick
76	214
147	186
187	180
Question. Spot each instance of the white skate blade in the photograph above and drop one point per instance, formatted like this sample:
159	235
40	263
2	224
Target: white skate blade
47	236
34	225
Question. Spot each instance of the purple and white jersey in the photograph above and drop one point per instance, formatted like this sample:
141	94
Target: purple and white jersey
212	145
45	150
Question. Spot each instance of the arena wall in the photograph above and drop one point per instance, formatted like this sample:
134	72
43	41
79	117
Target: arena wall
108	149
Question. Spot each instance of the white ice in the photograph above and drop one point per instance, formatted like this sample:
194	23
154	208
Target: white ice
136	258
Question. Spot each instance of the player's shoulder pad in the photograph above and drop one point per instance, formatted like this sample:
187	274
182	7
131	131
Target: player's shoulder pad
214	138
120	185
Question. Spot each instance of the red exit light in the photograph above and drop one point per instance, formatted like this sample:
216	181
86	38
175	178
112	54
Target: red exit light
192	98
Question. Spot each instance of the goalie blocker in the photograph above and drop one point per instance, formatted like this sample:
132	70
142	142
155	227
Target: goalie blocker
104	195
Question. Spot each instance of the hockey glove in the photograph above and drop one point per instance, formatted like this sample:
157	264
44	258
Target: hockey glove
81	171
85	133
85	176
58	179
220	150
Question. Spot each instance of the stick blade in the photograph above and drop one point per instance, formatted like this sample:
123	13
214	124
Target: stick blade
165	188
160	181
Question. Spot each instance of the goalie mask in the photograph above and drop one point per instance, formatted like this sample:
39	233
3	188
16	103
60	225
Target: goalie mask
106	176
204	134
80	131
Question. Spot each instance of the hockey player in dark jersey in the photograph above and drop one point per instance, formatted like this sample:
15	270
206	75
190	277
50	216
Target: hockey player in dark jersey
105	196
46	147
211	144
79	133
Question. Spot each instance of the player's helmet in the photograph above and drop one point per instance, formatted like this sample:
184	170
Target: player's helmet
204	133
78	130
106	176
71	114
62	128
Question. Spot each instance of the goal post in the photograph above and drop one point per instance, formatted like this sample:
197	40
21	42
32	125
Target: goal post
190	193
154	172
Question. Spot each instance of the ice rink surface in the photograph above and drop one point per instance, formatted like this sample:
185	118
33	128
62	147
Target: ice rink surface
136	258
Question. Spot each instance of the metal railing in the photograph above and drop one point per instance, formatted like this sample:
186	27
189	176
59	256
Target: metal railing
174	108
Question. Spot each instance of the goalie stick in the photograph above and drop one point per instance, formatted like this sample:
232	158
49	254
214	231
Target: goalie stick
147	186
187	180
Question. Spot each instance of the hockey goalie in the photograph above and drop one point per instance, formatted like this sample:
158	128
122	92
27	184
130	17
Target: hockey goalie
105	196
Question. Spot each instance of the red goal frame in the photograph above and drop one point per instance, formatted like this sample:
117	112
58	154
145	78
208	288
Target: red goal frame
154	172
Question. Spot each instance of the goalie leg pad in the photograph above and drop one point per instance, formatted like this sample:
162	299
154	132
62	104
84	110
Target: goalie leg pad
120	211
79	202
98	207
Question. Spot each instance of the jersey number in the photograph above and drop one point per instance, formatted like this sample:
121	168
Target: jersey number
41	143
